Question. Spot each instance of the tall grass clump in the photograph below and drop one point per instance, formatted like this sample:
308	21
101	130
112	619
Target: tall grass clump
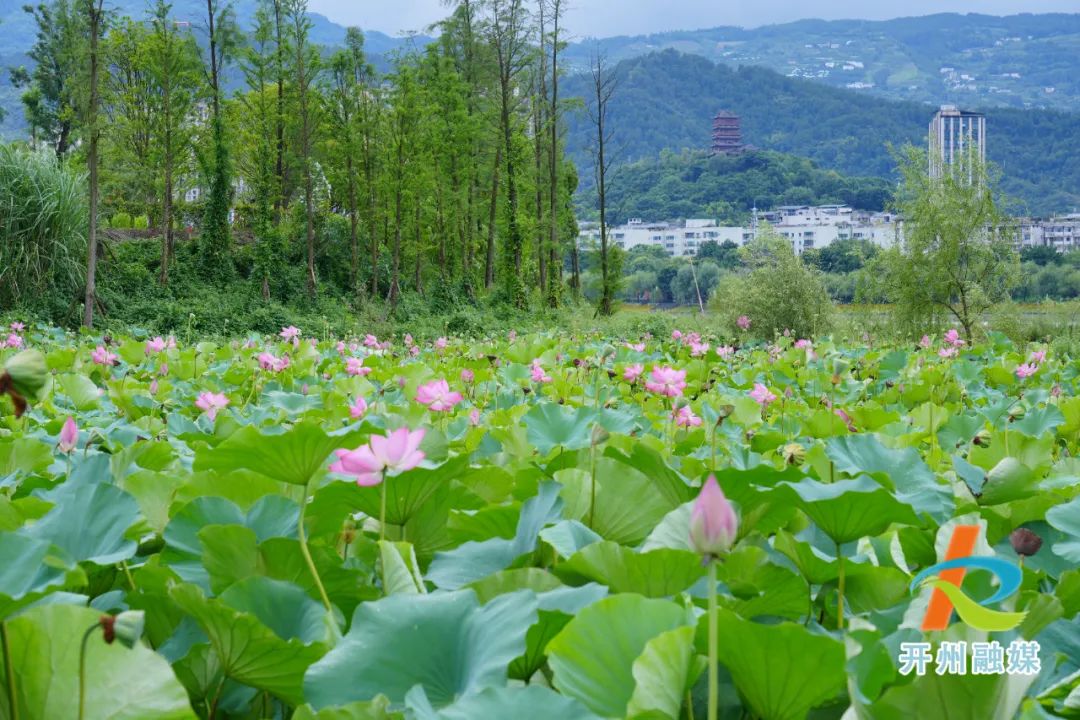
43	220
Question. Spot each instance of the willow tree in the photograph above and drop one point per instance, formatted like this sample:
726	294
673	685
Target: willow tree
954	258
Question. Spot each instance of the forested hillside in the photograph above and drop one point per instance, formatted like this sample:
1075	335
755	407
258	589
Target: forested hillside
1023	60
665	101
697	184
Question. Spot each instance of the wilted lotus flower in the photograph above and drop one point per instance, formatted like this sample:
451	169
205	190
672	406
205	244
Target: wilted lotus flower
210	403
69	436
1025	542
713	522
762	395
685	417
794	454
127	627
102	356
1026	370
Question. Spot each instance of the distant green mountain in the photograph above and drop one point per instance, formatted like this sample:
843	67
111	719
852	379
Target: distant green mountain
1013	61
666	101
17	33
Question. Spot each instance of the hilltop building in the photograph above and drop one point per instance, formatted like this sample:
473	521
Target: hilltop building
726	134
953	134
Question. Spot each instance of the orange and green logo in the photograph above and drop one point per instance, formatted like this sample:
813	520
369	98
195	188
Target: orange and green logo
945	577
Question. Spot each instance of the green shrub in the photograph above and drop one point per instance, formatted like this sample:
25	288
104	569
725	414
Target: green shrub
779	293
120	221
43	221
141	222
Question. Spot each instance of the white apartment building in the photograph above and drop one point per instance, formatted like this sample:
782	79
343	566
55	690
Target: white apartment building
1061	232
806	227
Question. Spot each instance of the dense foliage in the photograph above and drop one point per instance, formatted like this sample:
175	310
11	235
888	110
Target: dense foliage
173	504
42	227
696	184
667	101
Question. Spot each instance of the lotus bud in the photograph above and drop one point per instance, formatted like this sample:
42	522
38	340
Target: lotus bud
723	413
1016	412
599	435
794	454
69	436
28	374
713	522
982	438
1025	542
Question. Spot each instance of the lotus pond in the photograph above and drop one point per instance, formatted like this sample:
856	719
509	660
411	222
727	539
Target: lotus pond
295	527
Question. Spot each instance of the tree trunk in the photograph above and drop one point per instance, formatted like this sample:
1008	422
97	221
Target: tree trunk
279	169
554	261
489	265
95	9
354	240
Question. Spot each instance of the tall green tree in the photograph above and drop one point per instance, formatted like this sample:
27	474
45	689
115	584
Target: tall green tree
215	235
51	97
603	88
955	259
95	25
306	66
172	60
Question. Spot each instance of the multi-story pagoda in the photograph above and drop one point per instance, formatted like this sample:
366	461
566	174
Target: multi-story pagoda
726	134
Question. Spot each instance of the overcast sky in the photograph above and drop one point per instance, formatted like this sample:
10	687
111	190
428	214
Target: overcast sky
603	18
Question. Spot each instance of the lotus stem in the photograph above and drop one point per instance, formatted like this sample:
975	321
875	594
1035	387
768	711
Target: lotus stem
840	588
82	669
714	645
307	553
382	509
13	701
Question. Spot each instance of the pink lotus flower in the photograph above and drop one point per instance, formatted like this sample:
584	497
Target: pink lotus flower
467	376
638	347
355	366
633	372
474	417
102	356
1037	356
685	417
437	396
676	335
512	335
846	418
153	387
17	326
924	342
164	369
408	340
803	344
358	408
69	436
397	452
441	343
538	374
340	347
414	350
666	381
697	349
371	341
211	403
155	346
290	333
761	395
1026	370
14	340
953	338
743	322
725	351
713	522
947	352
267	361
